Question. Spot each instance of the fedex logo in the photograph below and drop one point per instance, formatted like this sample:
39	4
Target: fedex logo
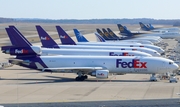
100	74
134	49
135	63
141	46
123	54
45	38
22	51
64	37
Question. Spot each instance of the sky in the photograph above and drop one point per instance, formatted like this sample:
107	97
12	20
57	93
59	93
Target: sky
90	9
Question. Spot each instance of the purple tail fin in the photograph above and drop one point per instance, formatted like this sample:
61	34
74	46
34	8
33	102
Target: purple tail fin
13	40
13	27
64	37
46	40
20	46
16	38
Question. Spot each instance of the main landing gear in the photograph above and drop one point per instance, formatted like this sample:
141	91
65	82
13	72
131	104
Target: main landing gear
81	77
153	77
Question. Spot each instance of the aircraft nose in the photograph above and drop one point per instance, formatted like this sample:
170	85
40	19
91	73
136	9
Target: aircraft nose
175	66
158	54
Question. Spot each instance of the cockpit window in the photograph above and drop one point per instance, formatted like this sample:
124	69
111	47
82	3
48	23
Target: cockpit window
170	63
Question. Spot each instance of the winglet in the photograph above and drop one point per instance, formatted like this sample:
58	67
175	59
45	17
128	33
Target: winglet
79	36
64	37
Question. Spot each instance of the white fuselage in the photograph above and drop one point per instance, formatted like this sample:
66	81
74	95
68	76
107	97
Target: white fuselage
139	41
92	52
141	49
158	49
115	64
154	39
165	35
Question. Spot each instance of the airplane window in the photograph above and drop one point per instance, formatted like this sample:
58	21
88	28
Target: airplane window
170	63
155	52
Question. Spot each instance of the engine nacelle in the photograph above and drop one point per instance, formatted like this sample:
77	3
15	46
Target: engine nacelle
33	50
100	73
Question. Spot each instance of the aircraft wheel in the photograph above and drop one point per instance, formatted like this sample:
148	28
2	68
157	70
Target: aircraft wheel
85	77
77	79
82	78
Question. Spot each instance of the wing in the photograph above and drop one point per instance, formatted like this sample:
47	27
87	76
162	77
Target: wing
74	68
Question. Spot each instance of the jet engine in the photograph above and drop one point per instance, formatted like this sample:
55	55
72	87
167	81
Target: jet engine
100	73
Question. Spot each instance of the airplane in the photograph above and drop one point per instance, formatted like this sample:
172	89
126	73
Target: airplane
70	44
101	39
108	35
126	32
16	39
104	36
98	66
165	35
125	39
63	36
149	27
49	51
111	37
113	34
81	38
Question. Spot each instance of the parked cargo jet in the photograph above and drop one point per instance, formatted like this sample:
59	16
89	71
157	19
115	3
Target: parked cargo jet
104	36
70	44
81	38
126	39
125	32
142	40
149	27
98	66
16	40
63	35
101	39
165	33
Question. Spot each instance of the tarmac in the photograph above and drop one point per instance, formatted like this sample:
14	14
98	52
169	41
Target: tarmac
24	87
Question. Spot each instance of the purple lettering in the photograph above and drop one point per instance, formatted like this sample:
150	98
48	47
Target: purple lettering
135	63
